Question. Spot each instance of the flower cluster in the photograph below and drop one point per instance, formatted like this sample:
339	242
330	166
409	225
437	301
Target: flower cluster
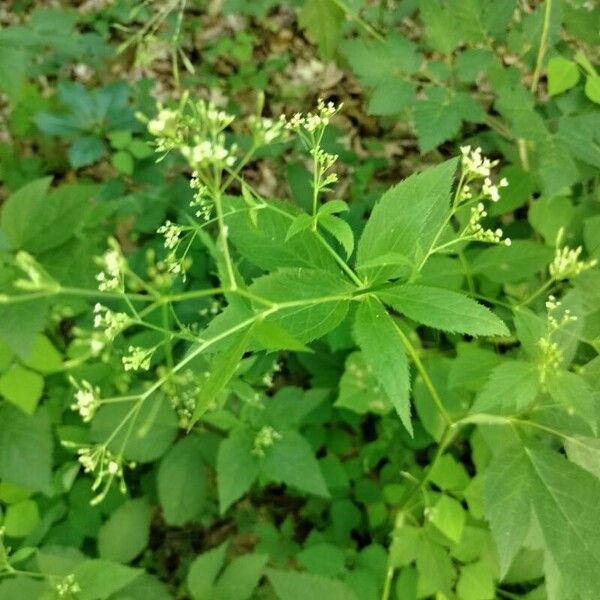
567	263
171	233
68	588
550	354
112	323
265	438
105	466
113	268
475	230
201	200
209	152
265	131
138	358
87	400
475	167
313	122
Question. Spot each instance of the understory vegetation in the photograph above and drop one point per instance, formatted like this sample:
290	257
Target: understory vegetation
299	300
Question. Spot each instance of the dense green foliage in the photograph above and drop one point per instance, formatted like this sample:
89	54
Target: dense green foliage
300	300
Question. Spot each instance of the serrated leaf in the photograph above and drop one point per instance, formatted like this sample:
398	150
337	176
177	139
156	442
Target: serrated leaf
437	119
319	301
511	387
443	309
290	585
565	499
222	369
181	482
237	467
383	351
263	242
291	460
360	391
507	507
322	20
300	223
340	230
406	220
126	533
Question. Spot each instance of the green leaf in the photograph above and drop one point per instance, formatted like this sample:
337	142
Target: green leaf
21	518
123	162
476	581
204	570
508	264
290	585
13	70
436	572
507	503
36	220
156	428
391	97
565	499
320	301
592	88
511	387
449	517
443	309
323	559
44	357
340	230
383	351
125	534
181	482
563	74
264	243
585	452
406	220
22	387
437	119
322	20
240	578
376	62
300	223
223	368
100	578
25	448
360	390
572	391
86	150
237	467
291	460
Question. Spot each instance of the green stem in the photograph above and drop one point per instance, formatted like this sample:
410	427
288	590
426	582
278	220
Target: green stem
542	49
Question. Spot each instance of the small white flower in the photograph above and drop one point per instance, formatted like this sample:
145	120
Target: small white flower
139	358
87	400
